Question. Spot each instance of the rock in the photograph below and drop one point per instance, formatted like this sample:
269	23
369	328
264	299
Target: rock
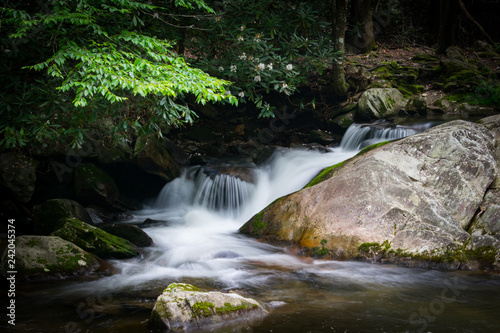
185	308
493	124
50	215
94	186
475	110
414	196
322	137
416	105
49	257
18	174
154	158
378	103
454	52
262	154
130	232
95	240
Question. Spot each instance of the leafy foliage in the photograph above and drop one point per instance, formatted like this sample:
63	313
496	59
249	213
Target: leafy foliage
98	54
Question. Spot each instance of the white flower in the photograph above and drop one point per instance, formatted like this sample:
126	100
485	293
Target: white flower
242	28
240	38
285	85
270	67
233	68
228	92
243	56
261	66
257	78
289	67
241	94
221	69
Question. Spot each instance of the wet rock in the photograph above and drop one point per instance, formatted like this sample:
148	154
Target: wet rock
151	156
95	240
49	257
50	215
185	308
414	196
322	137
18	174
416	105
94	186
130	232
378	103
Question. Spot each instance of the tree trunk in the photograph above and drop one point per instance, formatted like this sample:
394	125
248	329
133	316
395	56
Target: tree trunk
339	17
364	39
448	17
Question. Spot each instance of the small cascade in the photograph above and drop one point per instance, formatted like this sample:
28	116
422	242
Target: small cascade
218	193
359	136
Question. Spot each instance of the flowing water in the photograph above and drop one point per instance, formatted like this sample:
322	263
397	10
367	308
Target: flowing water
196	241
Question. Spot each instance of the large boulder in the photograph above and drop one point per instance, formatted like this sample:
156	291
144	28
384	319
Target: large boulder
151	156
378	103
51	215
18	174
95	240
413	198
94	186
49	257
185	308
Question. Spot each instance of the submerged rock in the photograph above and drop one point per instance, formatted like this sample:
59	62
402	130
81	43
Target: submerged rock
410	198
378	103
95	240
48	257
185	308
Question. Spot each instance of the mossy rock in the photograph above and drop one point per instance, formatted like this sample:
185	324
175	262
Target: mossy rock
94	186
18	174
130	232
95	240
184	307
50	215
49	257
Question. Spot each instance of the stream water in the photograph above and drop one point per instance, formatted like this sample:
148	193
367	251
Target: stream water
196	241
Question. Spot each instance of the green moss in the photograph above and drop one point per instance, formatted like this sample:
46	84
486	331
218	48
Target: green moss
369	247
228	308
95	240
324	175
371	147
203	309
257	223
181	286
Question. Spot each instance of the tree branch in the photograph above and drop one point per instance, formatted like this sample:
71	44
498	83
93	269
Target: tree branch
462	5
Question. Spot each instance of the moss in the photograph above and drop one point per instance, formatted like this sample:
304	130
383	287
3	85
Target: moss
228	308
324	175
373	146
258	224
369	247
181	286
203	309
95	240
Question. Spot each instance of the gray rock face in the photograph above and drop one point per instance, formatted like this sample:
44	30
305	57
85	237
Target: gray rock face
378	103
185	308
17	173
416	196
46	257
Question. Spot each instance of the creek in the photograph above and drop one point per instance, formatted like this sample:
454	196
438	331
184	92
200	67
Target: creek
196	241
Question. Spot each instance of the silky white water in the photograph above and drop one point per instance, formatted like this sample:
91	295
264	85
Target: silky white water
200	216
196	241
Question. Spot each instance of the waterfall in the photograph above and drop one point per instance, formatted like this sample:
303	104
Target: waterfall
220	192
359	136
